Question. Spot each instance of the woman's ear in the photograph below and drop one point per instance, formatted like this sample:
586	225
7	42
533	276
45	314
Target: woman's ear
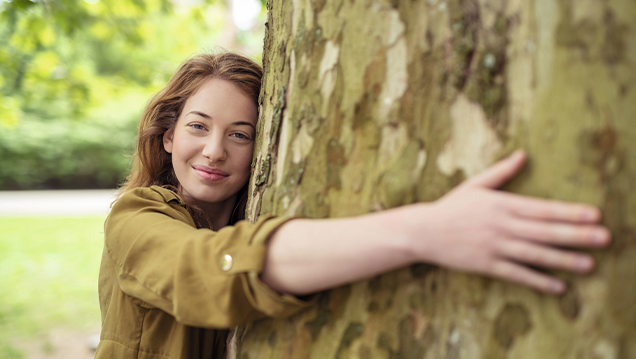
167	140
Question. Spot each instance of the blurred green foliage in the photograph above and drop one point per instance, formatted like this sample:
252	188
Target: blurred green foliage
75	74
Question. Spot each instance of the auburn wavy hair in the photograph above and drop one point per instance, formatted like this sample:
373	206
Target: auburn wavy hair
152	165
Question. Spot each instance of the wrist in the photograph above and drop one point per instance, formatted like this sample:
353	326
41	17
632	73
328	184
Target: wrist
399	230
420	223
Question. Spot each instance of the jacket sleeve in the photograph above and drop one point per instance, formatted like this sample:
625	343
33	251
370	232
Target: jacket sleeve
165	262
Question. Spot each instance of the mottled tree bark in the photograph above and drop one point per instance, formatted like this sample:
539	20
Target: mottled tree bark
368	105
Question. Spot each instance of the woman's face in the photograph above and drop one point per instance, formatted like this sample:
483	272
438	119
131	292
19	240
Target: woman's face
212	142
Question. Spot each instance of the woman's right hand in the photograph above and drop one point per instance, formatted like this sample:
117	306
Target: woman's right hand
475	228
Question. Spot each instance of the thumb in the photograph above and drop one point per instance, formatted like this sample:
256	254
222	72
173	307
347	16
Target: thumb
499	173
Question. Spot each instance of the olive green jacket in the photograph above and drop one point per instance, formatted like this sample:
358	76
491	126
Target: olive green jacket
166	288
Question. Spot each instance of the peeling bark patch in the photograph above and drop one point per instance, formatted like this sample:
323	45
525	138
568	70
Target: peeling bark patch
329	59
396	27
453	345
302	145
353	331
335	161
513	321
473	143
327	72
396	79
392	142
569	303
420	323
604	350
373	79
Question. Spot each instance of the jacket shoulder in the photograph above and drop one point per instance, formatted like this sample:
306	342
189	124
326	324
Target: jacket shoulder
145	200
145	196
156	193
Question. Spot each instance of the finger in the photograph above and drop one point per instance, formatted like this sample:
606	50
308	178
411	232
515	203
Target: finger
559	234
499	173
551	210
519	274
546	257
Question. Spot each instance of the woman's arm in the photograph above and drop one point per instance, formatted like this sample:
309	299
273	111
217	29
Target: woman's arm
473	228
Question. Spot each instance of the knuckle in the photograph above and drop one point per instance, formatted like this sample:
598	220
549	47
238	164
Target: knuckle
499	226
494	268
534	257
555	259
572	261
561	232
497	247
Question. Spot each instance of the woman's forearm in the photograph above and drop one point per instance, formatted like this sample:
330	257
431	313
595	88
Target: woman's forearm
305	256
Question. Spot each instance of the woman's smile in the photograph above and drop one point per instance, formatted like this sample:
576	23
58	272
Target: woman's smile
210	174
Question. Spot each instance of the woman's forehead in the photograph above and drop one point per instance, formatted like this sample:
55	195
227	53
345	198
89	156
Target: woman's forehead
220	99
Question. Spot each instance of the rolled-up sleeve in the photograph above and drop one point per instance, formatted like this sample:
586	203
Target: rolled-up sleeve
201	277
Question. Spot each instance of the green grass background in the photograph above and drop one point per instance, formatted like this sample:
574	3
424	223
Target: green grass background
48	277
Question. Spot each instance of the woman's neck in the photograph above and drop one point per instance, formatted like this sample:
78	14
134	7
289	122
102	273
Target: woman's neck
217	214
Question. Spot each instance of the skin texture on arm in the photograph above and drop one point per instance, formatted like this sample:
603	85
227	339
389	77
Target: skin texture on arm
474	228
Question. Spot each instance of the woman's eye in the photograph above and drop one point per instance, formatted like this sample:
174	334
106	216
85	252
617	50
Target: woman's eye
197	126
240	136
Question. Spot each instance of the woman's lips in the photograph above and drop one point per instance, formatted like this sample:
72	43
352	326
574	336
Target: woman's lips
210	174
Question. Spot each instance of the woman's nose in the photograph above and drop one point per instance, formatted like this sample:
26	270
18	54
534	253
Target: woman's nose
214	150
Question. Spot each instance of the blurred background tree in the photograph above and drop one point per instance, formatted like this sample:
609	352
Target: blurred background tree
75	75
74	78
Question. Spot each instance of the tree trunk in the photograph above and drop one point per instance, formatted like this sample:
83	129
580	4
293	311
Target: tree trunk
368	105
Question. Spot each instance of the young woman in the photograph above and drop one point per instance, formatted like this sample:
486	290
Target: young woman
179	265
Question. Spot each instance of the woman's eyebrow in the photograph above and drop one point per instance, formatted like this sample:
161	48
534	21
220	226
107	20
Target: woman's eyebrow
237	123
244	123
200	114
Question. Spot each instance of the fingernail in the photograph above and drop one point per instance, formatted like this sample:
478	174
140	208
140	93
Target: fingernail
557	287
598	237
589	215
516	154
584	263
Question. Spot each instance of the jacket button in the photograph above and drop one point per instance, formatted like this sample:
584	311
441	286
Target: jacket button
226	262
